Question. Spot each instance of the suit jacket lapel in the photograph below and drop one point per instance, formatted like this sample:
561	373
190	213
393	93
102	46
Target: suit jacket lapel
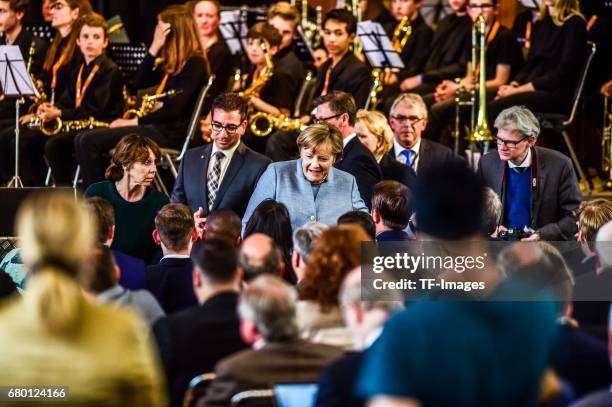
233	169
535	199
423	156
201	189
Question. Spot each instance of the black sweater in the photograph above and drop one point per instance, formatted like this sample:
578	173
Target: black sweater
416	50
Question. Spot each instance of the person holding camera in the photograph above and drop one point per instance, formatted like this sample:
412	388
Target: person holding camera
537	186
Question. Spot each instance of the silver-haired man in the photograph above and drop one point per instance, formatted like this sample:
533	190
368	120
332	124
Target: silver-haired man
537	186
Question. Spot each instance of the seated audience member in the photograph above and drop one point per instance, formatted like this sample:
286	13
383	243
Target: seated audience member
537	185
365	321
336	253
7	285
192	341
272	218
304	239
311	188
259	255
267	317
374	132
53	334
230	169
408	119
223	224
338	109
391	211
362	219
128	189
411	362
170	280
104	288
132	269
492	212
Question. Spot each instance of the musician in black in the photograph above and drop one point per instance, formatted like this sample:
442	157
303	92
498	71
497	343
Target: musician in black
503	59
183	70
206	14
12	12
94	90
547	81
342	71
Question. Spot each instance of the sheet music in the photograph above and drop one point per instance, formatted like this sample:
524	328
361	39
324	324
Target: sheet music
377	47
15	79
234	30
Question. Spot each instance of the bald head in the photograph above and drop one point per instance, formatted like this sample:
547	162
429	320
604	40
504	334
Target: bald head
223	224
259	255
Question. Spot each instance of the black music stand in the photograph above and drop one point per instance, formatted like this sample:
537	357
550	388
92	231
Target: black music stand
377	47
15	82
234	30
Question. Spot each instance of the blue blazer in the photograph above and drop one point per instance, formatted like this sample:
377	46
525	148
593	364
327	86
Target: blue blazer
285	183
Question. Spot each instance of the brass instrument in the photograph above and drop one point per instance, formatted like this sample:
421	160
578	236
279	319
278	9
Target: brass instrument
377	87
481	132
311	30
262	124
402	32
148	104
54	127
606	140
258	84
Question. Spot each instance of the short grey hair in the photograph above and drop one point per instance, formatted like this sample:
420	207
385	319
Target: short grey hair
603	241
493	211
305	237
350	293
270	303
518	118
410	99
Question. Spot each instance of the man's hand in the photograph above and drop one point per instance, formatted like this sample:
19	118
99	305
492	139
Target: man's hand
200	223
47	111
23	120
446	90
124	122
410	83
533	238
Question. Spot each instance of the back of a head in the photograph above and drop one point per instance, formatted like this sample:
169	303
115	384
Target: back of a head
216	260
102	275
336	253
55	235
175	225
350	294
449	201
271	218
270	303
103	215
361	219
603	245
393	201
305	237
492	212
592	215
259	255
223	224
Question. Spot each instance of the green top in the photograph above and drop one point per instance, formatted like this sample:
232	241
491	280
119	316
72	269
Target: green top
134	221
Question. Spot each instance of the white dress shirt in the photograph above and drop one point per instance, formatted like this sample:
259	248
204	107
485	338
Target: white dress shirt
224	163
398	149
348	138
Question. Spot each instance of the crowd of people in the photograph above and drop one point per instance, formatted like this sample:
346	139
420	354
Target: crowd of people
252	272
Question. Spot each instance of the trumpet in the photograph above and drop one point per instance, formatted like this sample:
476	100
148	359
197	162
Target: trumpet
259	83
148	104
262	124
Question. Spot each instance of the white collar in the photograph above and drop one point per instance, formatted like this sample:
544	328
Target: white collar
228	153
398	148
372	337
175	256
526	162
347	139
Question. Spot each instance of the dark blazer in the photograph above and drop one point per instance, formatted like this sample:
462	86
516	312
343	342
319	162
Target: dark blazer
132	270
393	236
350	75
431	155
358	161
192	341
394	170
296	361
170	282
236	187
337	382
553	202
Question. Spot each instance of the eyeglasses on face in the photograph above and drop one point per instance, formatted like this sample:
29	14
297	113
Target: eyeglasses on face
510	143
229	128
407	119
325	119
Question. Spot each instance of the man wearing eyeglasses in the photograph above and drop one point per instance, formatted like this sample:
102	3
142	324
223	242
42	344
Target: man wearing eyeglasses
408	119
537	186
338	109
222	174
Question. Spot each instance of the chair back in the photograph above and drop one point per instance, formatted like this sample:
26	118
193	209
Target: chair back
197	389
254	398
304	98
592	48
195	116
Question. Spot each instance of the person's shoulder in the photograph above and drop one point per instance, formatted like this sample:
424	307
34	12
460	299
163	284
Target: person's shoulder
197	153
283	166
157	197
575	21
107	63
552	156
101	189
435	146
253	155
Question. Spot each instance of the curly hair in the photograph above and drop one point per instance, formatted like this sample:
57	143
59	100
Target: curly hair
336	253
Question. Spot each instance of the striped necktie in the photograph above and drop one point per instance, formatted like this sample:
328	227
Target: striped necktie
212	183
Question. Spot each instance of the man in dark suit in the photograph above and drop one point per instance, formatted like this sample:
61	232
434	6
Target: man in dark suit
338	108
408	119
170	280
365	320
192	341
537	186
391	211
268	322
222	174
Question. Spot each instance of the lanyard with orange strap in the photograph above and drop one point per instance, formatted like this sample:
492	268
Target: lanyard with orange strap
81	89
492	33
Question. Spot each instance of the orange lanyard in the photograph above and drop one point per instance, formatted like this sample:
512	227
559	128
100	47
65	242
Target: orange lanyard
162	85
528	35
490	38
591	22
326	83
54	70
80	90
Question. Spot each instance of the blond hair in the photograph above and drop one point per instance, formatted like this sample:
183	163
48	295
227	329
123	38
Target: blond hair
56	236
566	9
317	134
285	11
183	41
377	124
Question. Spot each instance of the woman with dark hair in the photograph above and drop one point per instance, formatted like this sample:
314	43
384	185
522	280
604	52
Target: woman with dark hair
272	218
183	69
128	188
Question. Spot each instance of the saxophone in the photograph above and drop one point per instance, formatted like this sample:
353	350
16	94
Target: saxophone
54	127
262	124
259	83
402	32
148	104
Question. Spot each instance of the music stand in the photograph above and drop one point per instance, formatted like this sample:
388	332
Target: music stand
15	82
377	47
234	30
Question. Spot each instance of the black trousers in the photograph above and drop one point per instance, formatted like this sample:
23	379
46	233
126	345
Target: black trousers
93	146
60	154
32	167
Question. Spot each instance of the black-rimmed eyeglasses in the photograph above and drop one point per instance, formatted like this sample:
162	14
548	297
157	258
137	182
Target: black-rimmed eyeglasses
229	128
